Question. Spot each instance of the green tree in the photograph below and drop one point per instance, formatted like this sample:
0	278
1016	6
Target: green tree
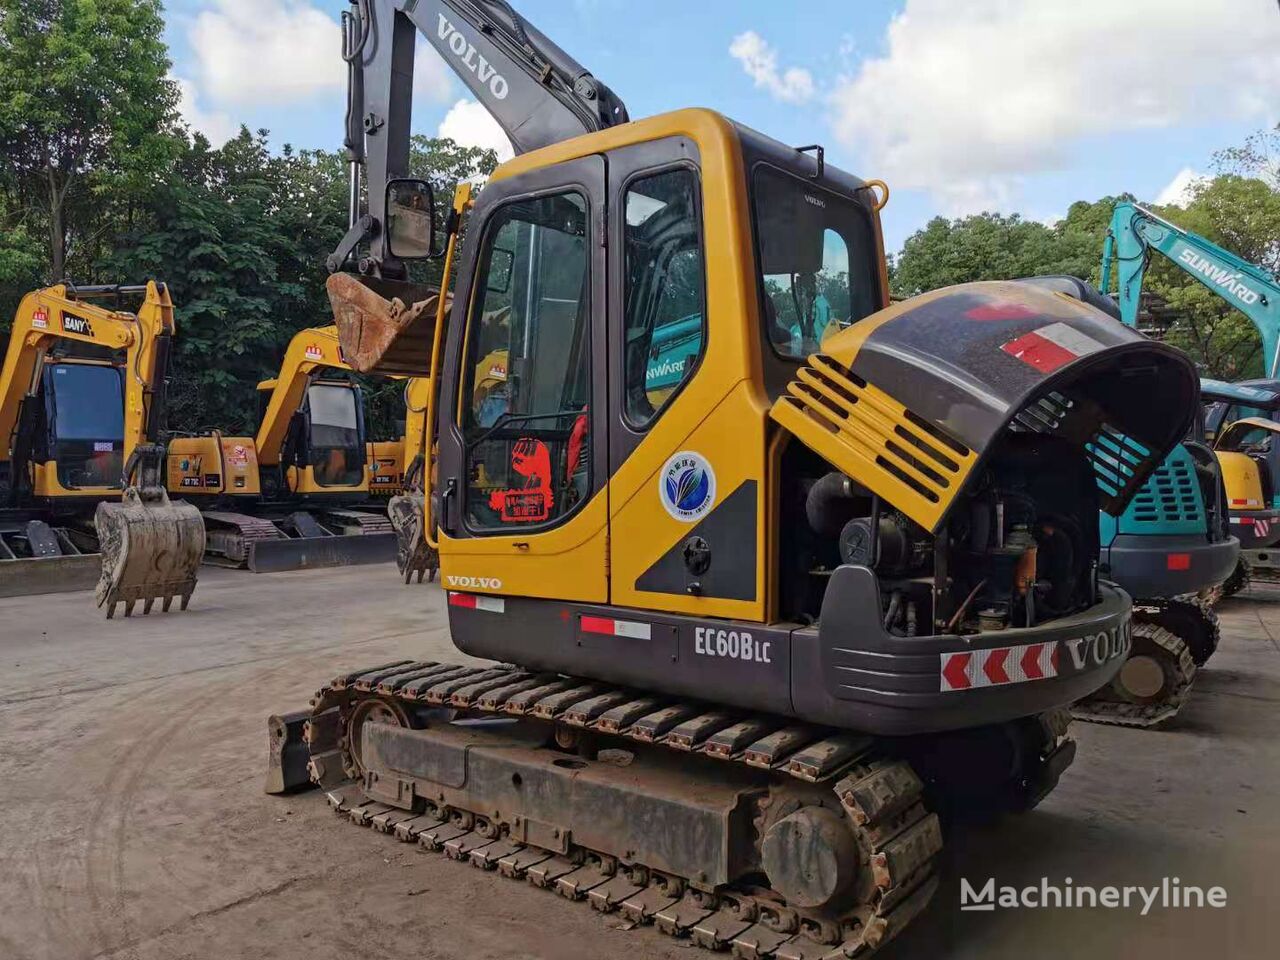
85	106
241	234
987	246
20	261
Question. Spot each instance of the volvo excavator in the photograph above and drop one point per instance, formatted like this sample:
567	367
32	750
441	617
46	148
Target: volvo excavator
752	628
82	395
290	497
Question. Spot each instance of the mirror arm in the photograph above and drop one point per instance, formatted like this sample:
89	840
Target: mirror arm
363	229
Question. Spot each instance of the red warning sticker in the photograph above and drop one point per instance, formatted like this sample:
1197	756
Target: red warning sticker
532	502
1051	347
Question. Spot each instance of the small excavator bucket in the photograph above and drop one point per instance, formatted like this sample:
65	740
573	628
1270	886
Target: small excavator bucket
385	327
151	547
408	513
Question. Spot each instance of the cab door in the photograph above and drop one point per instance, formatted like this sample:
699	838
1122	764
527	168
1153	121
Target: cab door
522	489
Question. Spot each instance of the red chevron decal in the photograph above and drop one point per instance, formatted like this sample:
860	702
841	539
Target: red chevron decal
954	675
994	667
1031	661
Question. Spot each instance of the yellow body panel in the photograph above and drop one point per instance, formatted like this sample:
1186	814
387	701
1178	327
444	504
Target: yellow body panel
732	438
1243	481
44	483
569	562
386	464
212	465
302	482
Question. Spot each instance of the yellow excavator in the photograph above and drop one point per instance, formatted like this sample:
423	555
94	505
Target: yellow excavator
81	410
754	612
290	497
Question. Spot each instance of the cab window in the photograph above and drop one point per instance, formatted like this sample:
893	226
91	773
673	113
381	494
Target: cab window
664	326
336	448
87	405
816	258
524	414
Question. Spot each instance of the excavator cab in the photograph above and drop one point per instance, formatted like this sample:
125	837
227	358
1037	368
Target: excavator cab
325	450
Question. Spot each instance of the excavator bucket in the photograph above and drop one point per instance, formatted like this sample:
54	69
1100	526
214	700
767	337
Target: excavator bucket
413	555
151	547
385	327
408	514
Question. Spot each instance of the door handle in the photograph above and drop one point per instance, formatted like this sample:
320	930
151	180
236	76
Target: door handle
450	490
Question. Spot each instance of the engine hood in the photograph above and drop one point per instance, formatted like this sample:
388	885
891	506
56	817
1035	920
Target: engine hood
909	400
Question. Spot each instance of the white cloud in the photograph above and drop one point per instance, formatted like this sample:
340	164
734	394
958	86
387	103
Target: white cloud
971	95
216	125
760	62
469	124
249	53
1180	190
432	77
266	52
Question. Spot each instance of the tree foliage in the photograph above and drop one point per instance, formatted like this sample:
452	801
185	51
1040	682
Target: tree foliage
86	105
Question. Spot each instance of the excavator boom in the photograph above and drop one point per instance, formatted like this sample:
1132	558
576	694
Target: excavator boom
1136	233
536	92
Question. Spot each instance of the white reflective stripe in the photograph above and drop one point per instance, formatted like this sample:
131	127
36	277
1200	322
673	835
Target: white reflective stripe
1007	666
629	628
492	604
1069	339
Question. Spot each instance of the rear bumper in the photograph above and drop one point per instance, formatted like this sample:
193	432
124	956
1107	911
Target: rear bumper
851	668
1256	528
1168	565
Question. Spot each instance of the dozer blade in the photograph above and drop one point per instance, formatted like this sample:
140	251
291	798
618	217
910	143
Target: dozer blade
60	560
34	575
408	515
151	547
309	553
385	327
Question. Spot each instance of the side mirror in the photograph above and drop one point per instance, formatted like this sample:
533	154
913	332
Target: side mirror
410	227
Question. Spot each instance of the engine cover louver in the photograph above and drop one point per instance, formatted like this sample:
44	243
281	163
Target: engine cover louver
874	439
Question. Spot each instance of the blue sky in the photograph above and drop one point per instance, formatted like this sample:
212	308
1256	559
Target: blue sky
961	105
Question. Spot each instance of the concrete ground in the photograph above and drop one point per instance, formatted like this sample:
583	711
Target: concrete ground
134	825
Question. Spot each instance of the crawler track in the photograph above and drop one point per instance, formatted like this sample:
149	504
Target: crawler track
1176	633
878	799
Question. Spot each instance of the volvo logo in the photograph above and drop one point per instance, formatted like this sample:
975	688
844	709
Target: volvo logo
478	65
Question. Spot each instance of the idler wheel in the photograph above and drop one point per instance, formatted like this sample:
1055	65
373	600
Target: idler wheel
372	710
811	857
